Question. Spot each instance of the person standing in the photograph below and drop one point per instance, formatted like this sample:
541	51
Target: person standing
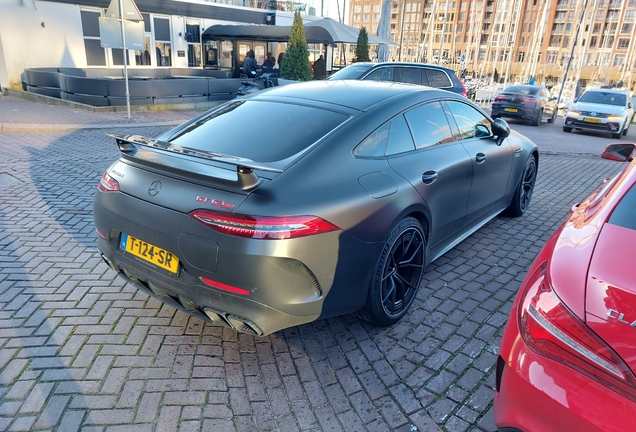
250	65
320	68
269	63
281	57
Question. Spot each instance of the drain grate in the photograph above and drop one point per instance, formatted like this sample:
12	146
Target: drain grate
7	180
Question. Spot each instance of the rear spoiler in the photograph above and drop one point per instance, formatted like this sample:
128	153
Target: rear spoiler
132	146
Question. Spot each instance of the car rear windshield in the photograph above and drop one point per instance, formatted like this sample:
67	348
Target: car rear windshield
261	131
605	98
522	90
350	72
625	212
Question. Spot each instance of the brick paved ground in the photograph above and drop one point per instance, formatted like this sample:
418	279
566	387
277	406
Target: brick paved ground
81	350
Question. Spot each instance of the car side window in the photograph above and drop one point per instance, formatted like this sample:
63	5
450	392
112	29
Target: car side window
429	125
381	74
468	120
375	144
438	78
400	138
409	75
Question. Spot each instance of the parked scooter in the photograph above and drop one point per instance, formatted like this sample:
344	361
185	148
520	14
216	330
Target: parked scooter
251	86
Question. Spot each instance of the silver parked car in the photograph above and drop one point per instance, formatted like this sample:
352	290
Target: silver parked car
602	110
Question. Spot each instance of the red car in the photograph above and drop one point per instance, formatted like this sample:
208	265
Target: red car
568	353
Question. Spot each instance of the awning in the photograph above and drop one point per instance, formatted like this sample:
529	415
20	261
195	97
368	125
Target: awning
324	31
265	33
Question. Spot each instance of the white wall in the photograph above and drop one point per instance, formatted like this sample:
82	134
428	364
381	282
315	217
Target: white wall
26	43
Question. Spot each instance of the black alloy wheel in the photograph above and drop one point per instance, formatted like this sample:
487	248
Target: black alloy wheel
398	274
523	194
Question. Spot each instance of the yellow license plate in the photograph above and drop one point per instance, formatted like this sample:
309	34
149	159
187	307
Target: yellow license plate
150	253
511	109
591	120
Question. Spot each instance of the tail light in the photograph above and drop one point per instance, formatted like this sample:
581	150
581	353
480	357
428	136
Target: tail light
263	227
500	98
464	92
108	184
530	100
550	329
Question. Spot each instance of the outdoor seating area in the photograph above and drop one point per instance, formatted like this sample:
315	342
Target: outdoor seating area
107	87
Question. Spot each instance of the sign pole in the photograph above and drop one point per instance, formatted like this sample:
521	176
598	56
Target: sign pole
124	52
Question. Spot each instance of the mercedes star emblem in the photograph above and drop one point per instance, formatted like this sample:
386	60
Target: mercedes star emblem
154	188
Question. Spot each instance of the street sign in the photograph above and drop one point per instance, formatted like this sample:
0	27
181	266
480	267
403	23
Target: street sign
129	10
110	34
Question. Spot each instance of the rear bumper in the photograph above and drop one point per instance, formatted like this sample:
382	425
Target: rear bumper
285	282
522	113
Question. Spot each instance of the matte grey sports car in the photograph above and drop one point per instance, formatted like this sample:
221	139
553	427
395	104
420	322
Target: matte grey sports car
359	186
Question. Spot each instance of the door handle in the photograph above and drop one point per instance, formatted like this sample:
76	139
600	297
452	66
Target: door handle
429	177
480	158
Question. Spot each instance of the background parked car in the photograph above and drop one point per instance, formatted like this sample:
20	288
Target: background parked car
568	351
410	73
368	184
602	110
525	102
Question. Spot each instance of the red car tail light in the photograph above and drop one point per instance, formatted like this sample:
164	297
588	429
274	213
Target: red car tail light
530	100
108	184
550	329
263	227
500	98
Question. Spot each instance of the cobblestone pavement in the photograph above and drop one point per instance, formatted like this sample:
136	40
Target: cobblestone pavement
82	350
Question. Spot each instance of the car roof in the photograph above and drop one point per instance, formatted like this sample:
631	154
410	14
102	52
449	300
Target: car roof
353	94
602	90
410	64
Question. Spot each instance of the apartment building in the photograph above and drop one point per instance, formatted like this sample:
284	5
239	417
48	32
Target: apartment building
517	38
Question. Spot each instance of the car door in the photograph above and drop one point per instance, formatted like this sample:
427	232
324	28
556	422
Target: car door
492	163
421	148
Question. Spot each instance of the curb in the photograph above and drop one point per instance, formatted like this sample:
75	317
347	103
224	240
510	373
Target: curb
30	127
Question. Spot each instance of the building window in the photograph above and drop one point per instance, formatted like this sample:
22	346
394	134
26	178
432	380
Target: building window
356	18
193	37
357	9
162	42
95	54
376	8
629	15
627	28
619	60
142	58
367	8
623	43
593	41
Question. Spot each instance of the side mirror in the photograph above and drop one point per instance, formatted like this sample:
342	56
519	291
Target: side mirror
619	152
500	129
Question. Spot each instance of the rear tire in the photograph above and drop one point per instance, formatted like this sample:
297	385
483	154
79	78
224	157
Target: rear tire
397	275
537	120
567	129
521	200
551	119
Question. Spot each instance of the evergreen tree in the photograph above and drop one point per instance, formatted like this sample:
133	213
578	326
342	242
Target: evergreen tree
296	63
362	48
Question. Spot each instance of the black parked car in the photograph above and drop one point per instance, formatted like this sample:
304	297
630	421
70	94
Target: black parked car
526	102
404	72
365	184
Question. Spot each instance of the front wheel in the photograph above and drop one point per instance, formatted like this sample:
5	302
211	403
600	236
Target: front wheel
523	194
398	274
617	135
